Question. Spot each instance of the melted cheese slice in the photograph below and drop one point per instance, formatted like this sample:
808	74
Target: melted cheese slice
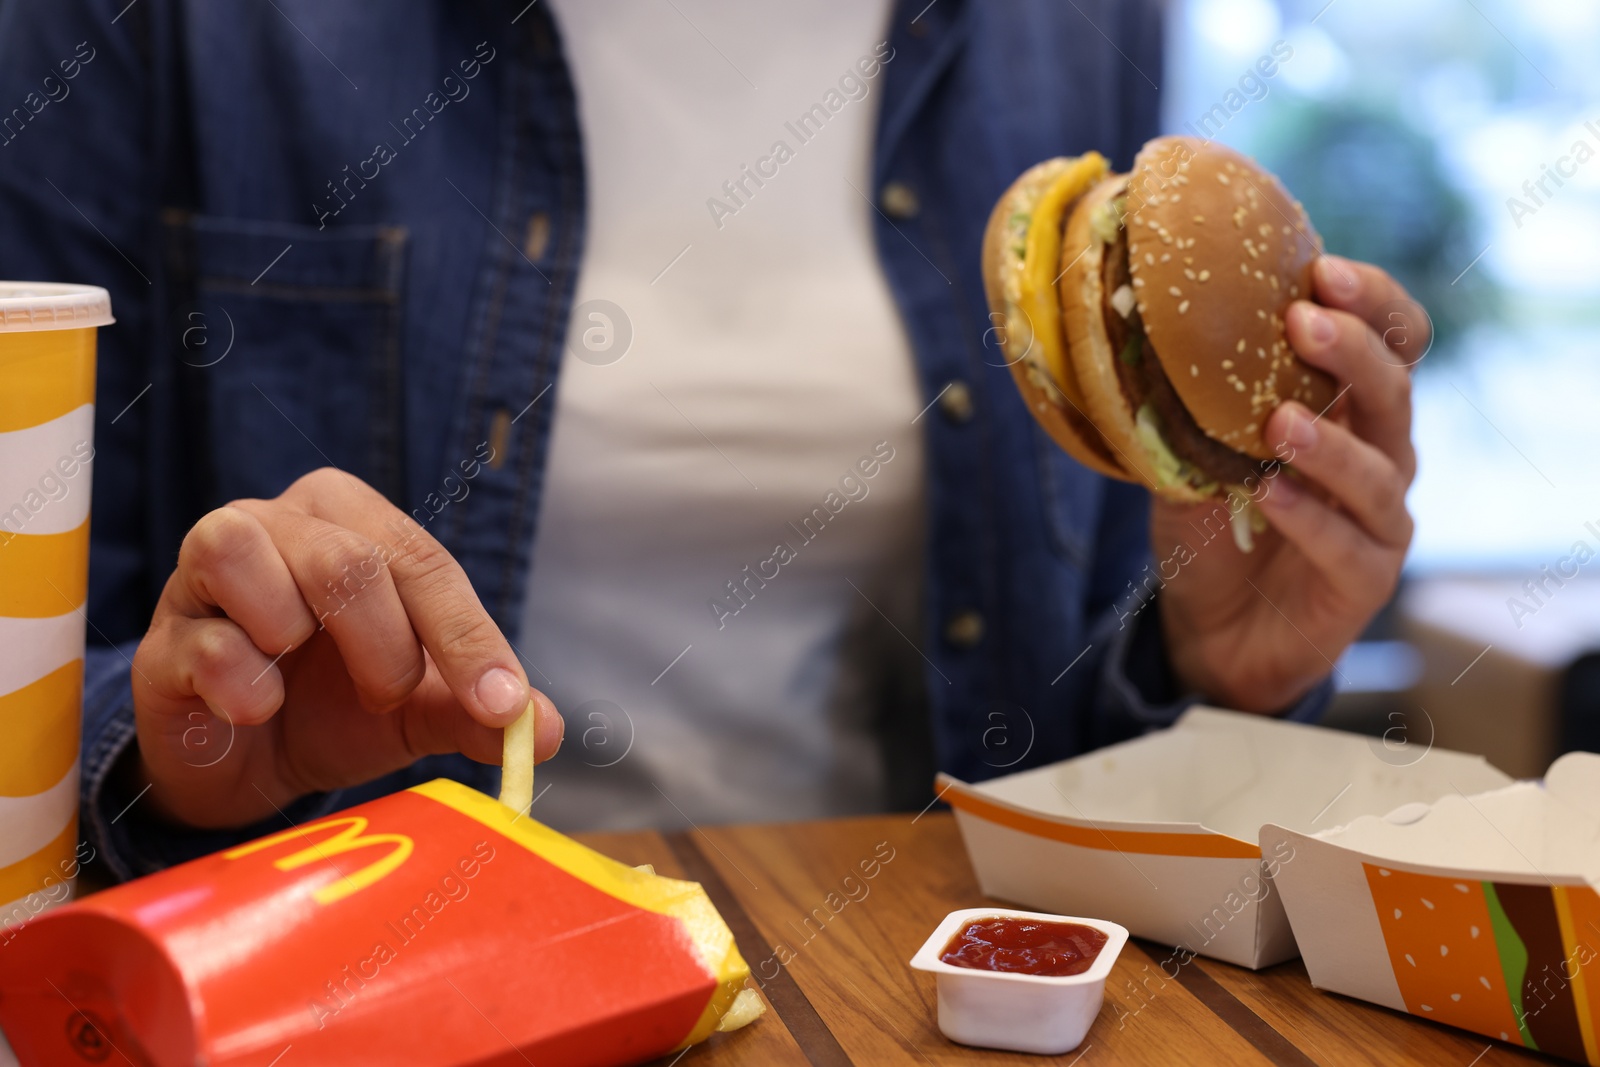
1041	267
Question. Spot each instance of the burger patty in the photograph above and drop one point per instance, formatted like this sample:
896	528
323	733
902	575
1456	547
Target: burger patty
1144	381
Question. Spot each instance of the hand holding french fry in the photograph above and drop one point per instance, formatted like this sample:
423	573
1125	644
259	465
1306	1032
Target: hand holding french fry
315	641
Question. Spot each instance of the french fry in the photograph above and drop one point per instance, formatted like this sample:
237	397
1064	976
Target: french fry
516	763
746	1008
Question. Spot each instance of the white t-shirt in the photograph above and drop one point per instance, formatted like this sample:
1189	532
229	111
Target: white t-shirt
756	430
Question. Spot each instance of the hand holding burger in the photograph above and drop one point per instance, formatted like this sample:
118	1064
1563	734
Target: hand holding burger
1178	326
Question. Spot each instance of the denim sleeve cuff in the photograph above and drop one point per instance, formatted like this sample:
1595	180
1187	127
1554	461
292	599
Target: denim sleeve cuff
1137	678
1310	707
1141	689
133	841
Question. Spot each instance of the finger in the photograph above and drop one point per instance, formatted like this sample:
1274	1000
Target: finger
432	723
228	562
215	660
341	574
1401	324
1334	544
472	654
1377	393
1361	479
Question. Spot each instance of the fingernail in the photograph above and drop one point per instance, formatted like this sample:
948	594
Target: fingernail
1301	432
549	728
501	693
1337	274
1319	324
1283	492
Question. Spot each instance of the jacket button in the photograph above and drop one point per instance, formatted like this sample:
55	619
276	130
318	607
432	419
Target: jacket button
537	240
899	201
955	403
964	629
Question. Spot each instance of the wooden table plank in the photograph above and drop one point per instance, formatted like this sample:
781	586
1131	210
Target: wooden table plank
828	914
846	940
1339	1030
768	1040
1147	983
814	1036
1266	1039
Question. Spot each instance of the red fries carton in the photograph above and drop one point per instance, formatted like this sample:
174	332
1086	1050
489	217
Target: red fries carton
432	927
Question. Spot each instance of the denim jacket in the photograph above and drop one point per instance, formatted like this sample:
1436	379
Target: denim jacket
343	234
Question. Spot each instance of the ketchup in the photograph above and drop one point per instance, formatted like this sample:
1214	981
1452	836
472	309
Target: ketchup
1025	946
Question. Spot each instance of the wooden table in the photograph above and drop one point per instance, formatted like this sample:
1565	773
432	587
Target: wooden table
846	995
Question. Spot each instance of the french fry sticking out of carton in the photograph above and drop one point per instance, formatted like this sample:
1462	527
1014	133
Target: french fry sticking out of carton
516	763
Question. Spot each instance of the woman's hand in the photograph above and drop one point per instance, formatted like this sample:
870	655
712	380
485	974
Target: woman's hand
1256	630
314	641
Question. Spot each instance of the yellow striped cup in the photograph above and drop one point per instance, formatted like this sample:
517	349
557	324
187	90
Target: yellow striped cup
47	363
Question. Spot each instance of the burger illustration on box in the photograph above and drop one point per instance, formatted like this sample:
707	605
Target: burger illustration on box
1480	910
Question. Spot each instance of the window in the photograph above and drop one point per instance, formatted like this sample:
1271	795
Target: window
1456	143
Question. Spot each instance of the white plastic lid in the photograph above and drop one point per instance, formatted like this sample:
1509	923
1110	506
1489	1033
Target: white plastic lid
26	306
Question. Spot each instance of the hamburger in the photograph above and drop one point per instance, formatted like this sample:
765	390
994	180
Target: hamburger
1142	314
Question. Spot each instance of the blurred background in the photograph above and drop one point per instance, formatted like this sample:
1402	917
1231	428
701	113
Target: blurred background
1417	135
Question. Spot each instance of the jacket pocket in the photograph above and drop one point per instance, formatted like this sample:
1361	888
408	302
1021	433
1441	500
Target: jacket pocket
289	343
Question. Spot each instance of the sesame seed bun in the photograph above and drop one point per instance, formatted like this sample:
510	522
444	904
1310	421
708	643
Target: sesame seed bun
1157	352
1052	393
1218	250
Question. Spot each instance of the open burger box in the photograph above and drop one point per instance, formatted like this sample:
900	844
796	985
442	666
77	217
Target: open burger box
1479	910
433	926
1161	833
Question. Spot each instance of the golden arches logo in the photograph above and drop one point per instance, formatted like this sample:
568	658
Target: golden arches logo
352	837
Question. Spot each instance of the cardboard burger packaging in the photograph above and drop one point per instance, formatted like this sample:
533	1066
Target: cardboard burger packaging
1478	910
1423	880
434	926
1163	833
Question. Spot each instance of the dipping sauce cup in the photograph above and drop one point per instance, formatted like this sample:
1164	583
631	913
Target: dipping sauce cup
1043	1014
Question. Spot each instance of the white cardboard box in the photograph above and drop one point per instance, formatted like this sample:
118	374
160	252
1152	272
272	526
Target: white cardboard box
1161	833
1479	910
